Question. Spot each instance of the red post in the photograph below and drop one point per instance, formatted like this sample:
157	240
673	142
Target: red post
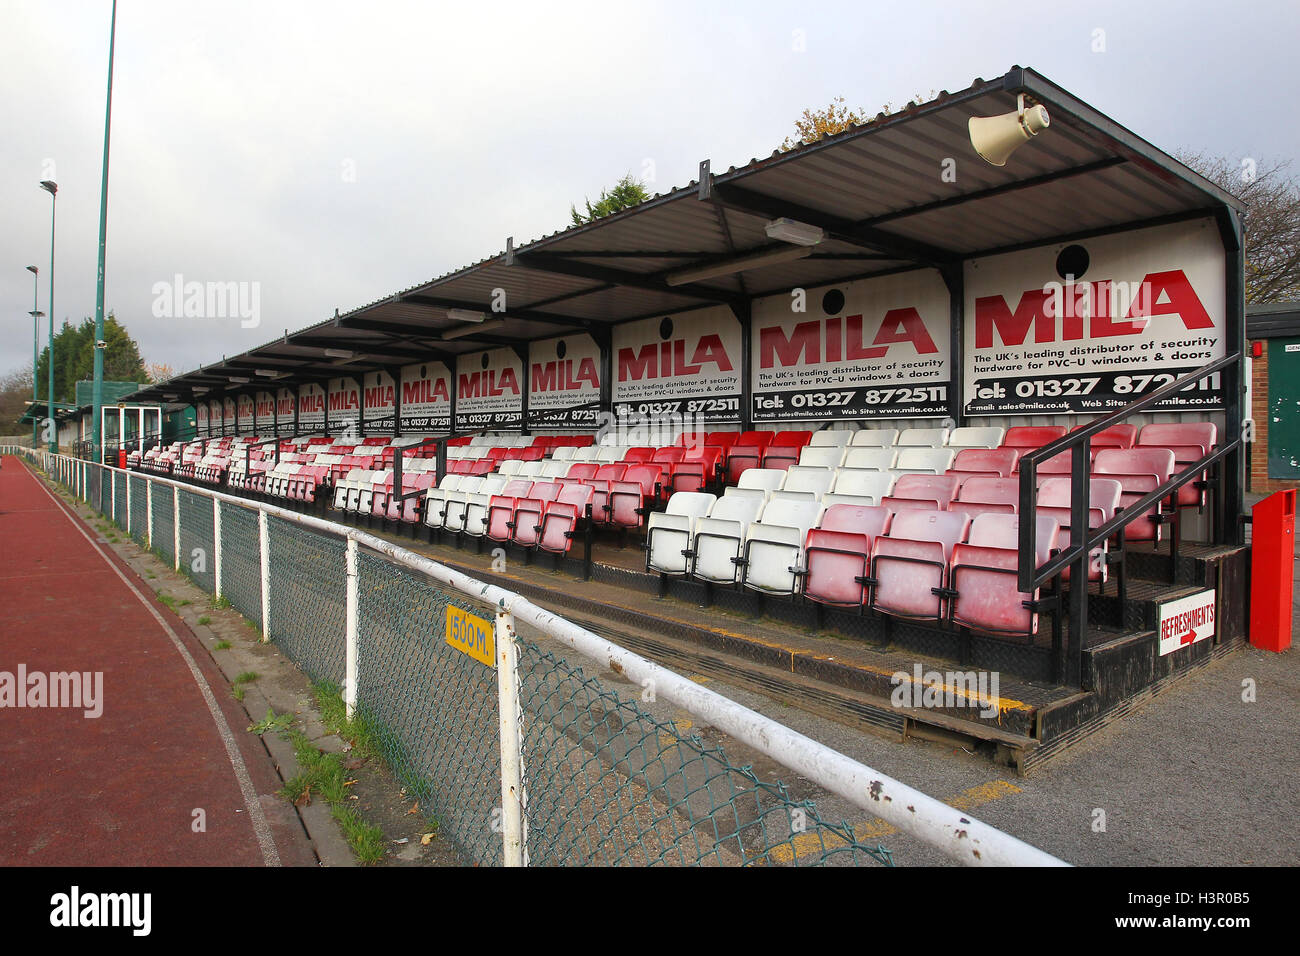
121	458
1271	571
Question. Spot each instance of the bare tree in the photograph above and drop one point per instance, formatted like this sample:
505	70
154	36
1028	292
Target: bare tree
159	372
1272	198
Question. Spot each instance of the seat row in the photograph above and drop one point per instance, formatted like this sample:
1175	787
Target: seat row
914	563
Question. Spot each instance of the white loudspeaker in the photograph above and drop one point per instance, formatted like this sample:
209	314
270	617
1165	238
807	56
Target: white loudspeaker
995	138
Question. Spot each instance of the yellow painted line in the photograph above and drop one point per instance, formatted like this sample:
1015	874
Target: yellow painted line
810	844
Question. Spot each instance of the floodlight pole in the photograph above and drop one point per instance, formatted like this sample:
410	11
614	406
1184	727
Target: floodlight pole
36	314
103	232
50	187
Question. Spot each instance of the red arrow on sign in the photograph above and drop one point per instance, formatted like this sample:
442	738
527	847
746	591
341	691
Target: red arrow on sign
1188	638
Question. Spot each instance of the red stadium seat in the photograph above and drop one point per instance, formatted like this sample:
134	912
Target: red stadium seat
838	552
931	492
911	562
985	574
1139	471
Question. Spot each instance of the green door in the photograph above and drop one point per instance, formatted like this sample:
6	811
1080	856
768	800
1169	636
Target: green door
1284	408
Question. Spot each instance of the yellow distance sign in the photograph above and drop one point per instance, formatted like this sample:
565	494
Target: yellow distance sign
471	635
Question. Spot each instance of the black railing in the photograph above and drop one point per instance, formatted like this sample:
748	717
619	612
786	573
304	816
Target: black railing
1084	538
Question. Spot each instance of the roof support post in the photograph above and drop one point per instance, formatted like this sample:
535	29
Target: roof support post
954	277
744	315
1231	497
522	352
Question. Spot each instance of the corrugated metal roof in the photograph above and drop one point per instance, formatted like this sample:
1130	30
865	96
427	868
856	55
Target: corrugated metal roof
904	190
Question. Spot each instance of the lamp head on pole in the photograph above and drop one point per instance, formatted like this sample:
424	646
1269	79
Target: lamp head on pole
50	186
33	270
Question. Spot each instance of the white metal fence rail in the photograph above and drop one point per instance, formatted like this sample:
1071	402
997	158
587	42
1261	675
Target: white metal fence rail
956	833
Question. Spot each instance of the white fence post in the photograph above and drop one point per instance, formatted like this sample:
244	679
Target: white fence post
148	511
263	536
513	796
113	494
350	634
216	547
127	479
176	526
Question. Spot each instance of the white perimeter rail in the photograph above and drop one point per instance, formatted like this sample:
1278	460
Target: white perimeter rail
954	832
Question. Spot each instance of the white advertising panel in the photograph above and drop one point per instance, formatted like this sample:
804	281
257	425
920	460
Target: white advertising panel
377	402
679	365
426	398
228	416
311	407
562	373
488	390
244	408
201	417
1090	326
284	404
344	403
874	348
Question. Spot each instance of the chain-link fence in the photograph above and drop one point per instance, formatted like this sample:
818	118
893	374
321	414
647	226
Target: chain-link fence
595	778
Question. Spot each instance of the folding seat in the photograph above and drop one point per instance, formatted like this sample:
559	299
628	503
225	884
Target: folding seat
985	572
781	456
582	470
990	462
689	439
721	439
347	488
501	517
923	438
974	437
407	510
837	554
553	469
984	495
482	467
637	455
807	479
478	504
697	470
1116	436
910	563
871	458
600	483
774	545
463	467
742	457
720	536
609	454
530	469
764	479
874	438
563	453
822	456
1104	494
532	453
1190	442
630	497
932	461
456	502
928	492
1032	436
859	486
365	500
1139	471
831	438
562	517
587	453
509	467
794	439
668	533
669	455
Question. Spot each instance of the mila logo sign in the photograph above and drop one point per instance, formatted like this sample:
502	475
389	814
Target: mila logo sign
77	909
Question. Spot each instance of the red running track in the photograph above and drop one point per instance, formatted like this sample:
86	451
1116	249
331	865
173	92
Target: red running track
119	789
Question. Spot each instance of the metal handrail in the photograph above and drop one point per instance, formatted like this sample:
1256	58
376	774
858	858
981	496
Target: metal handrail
1083	538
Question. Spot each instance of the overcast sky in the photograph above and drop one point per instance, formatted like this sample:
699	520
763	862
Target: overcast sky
335	152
